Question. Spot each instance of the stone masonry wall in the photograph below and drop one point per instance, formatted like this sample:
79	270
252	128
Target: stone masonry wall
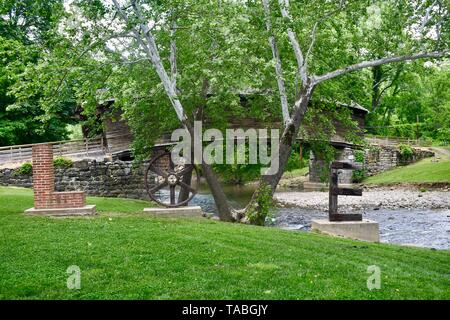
377	159
106	179
381	158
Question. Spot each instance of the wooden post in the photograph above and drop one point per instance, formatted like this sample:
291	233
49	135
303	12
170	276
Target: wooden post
332	197
334	191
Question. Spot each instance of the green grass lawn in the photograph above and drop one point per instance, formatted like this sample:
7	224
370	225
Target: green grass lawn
124	254
424	171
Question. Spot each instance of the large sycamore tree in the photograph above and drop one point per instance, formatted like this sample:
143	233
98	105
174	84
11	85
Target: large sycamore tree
182	59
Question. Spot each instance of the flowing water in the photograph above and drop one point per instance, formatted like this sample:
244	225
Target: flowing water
418	227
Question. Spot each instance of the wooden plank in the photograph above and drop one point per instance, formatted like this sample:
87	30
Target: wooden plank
345	217
347	192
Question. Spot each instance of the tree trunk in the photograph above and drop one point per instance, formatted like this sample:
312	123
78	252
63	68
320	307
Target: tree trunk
287	141
289	136
184	193
220	199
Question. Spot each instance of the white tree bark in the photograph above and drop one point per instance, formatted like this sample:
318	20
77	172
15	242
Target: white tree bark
152	51
284	7
372	63
173	53
278	67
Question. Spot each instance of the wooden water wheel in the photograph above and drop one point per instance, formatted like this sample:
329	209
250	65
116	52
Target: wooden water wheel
169	184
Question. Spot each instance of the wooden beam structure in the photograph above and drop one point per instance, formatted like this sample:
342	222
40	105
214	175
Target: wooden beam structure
334	191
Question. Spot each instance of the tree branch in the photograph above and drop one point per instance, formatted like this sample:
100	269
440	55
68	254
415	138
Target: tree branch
393	81
173	52
367	64
278	67
151	50
284	7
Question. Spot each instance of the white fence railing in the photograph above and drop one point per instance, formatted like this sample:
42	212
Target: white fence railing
82	148
393	141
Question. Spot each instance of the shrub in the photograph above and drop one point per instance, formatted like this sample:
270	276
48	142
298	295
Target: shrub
359	156
294	162
359	174
61	162
405	152
264	202
25	169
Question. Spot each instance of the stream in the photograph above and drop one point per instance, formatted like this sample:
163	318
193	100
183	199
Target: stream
416	227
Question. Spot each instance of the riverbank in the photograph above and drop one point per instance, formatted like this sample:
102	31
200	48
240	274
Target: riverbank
372	199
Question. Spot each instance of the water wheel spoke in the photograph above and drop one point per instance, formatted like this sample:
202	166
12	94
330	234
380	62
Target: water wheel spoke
171	165
158	171
172	194
187	186
185	170
158	187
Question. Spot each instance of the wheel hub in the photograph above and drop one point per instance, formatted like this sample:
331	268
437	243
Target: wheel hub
172	179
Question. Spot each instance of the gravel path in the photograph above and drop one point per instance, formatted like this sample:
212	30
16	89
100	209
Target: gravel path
371	199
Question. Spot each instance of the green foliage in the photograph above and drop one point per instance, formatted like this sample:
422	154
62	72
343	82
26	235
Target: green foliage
325	152
294	161
405	152
25	169
260	213
416	106
359	174
75	132
359	155
243	173
29	21
59	162
238	173
63	163
26	34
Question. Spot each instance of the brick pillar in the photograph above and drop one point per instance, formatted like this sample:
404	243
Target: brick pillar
43	175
